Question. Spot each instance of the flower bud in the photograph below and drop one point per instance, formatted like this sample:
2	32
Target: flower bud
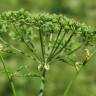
77	66
40	67
86	54
47	67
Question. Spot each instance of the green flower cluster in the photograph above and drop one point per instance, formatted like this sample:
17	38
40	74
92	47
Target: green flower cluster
27	24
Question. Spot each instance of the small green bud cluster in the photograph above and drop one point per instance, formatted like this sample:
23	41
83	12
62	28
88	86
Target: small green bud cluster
26	23
45	66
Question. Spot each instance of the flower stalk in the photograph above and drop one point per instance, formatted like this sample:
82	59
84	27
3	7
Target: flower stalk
9	77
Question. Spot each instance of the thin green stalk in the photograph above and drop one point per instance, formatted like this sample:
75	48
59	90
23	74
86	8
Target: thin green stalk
8	76
31	49
54	44
13	88
35	76
49	44
76	74
34	54
30	42
64	46
59	43
71	82
74	50
22	36
66	61
42	47
18	50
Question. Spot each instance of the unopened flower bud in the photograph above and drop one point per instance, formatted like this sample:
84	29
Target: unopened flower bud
47	67
40	67
77	66
87	52
85	55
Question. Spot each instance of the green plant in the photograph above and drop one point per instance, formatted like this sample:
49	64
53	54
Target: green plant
49	38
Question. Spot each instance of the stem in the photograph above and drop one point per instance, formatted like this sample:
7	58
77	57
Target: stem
42	48
8	76
75	76
13	88
71	82
64	46
42	86
34	54
54	44
26	43
74	50
18	50
50	40
59	43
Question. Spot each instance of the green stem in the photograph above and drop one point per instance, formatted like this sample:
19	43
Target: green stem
59	43
18	50
54	45
66	43
74	50
34	54
71	82
13	88
42	86
8	76
42	47
26	43
75	76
